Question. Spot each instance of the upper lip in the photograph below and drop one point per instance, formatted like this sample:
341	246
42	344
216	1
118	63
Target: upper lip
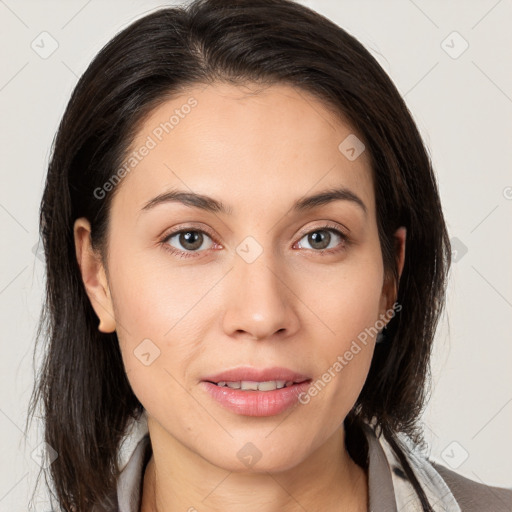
249	373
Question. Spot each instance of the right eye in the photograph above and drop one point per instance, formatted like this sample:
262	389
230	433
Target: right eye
189	241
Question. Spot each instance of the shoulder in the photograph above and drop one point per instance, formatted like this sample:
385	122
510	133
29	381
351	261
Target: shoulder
449	490
474	496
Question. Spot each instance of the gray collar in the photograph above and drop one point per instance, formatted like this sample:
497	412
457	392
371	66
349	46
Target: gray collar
380	482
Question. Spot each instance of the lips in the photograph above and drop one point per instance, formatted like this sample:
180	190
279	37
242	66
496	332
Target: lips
251	374
253	391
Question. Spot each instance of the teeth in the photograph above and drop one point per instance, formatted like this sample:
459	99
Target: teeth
250	385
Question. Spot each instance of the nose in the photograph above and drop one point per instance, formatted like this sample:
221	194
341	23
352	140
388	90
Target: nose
260	303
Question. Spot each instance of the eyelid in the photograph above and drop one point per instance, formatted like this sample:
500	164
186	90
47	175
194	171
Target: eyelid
188	226
326	225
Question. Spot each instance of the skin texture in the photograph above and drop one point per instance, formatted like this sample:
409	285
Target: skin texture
258	151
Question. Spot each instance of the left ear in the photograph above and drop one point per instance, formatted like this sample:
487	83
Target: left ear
389	289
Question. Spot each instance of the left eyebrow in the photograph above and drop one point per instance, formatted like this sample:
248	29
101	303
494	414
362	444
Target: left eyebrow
328	196
210	204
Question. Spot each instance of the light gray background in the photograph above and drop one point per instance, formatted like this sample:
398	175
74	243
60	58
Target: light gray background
463	106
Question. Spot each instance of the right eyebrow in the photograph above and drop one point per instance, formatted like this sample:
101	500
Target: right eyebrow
189	199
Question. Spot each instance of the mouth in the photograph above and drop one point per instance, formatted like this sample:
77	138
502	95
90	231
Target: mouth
256	392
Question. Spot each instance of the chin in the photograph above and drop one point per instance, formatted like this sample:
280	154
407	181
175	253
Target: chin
249	459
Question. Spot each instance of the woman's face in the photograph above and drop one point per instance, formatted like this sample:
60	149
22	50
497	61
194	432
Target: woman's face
260	283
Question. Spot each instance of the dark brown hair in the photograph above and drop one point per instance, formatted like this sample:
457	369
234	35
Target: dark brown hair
82	387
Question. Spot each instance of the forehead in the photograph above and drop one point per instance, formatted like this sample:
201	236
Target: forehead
245	144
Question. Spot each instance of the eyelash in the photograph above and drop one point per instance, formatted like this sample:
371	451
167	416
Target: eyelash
191	254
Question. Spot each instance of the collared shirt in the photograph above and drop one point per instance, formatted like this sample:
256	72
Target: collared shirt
389	489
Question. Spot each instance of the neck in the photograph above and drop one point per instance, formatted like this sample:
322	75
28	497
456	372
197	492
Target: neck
328	480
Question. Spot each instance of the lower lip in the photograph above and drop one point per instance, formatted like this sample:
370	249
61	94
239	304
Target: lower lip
256	403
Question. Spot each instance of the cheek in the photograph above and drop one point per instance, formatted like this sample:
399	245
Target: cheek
346	307
154	299
344	299
152	326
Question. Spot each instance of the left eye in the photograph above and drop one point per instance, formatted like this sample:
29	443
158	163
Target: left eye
321	238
